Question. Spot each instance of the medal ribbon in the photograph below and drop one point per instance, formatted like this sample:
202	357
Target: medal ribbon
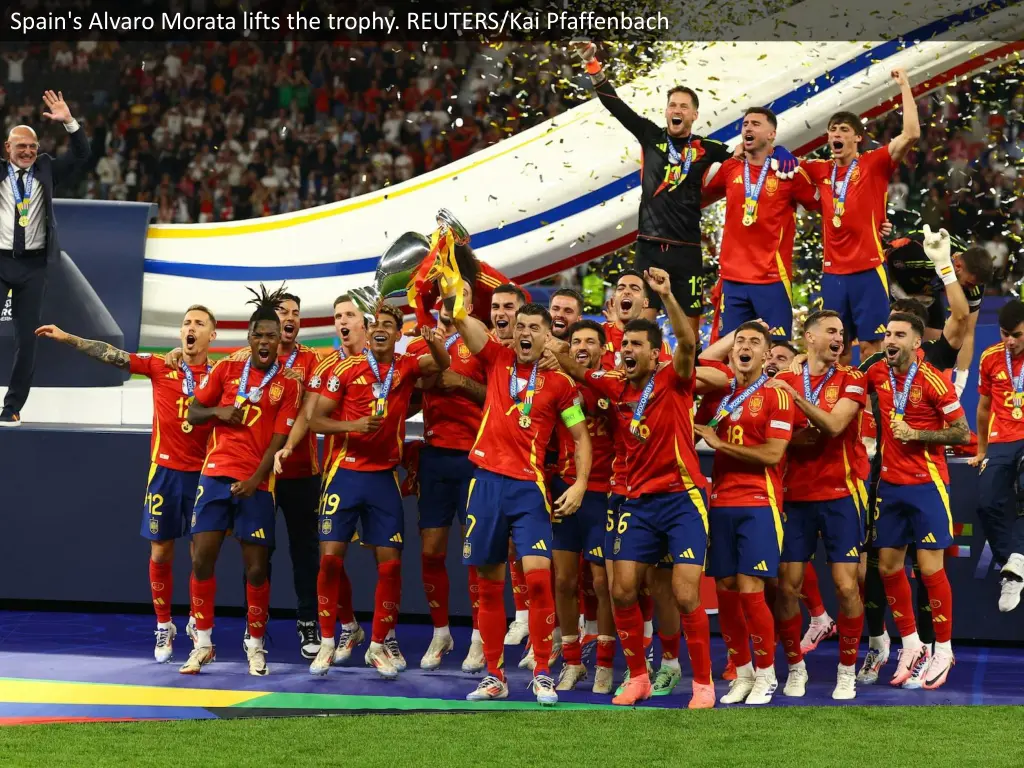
641	406
1017	381
812	397
451	340
728	405
674	159
190	380
385	386
291	358
513	389
21	203
899	399
839	194
243	383
751	196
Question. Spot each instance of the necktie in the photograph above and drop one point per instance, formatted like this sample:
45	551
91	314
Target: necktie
19	231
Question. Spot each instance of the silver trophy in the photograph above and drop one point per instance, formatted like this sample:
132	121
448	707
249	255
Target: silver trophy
401	261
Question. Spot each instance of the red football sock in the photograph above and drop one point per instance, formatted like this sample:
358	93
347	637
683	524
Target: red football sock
605	652
435	585
572	651
734	627
762	628
161	584
941	595
204	595
588	598
697	631
542	618
345	613
258	599
474	596
897	594
646	603
669	645
850	629
789	634
328	582
629	623
519	595
811	593
386	599
492	624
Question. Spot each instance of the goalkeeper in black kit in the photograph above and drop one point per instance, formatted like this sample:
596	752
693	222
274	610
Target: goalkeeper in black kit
672	169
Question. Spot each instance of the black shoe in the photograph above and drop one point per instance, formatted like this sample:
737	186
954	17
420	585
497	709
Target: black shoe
309	638
9	418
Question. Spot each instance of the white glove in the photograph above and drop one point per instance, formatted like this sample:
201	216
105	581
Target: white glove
960	381
937	249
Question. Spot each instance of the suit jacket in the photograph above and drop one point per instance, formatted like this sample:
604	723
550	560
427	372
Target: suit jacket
48	173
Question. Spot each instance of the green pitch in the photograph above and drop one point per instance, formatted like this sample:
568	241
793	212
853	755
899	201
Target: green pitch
871	736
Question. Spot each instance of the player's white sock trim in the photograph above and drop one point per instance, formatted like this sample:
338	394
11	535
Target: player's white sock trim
946	646
566	639
590	627
878	643
648	629
523	616
476	638
747	670
442	632
390	635
822	619
204	638
164	624
671	663
912	641
799	665
352	626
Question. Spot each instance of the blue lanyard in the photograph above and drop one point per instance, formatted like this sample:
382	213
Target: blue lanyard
20	203
899	399
812	397
190	381
385	386
513	389
839	195
728	405
1017	381
243	383
291	358
752	195
641	406
451	340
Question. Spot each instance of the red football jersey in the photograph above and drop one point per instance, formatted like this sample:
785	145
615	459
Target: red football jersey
855	245
828	469
931	405
175	444
994	380
766	414
502	446
450	419
304	459
613	347
601	426
487	279
353	387
762	252
665	461
237	450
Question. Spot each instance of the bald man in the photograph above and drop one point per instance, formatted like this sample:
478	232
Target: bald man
28	237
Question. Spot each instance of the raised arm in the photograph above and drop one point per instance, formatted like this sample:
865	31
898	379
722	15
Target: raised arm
473	332
68	162
569	365
719	351
911	132
686	342
438	360
98	350
630	120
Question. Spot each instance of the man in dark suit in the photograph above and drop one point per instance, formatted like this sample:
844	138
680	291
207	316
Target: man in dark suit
28	237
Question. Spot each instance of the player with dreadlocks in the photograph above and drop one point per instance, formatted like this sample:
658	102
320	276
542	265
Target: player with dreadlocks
253	406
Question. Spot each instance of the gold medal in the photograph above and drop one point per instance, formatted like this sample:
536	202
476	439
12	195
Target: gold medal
525	421
186	427
897	417
1018	413
837	221
603	403
747	220
23	221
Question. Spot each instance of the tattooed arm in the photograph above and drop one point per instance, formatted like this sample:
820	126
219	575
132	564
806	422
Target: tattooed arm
957	433
100	350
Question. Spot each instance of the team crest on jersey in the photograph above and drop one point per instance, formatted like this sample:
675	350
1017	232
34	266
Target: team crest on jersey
756	404
276	390
916	393
314	383
333	384
540	383
464	353
771	186
832	394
